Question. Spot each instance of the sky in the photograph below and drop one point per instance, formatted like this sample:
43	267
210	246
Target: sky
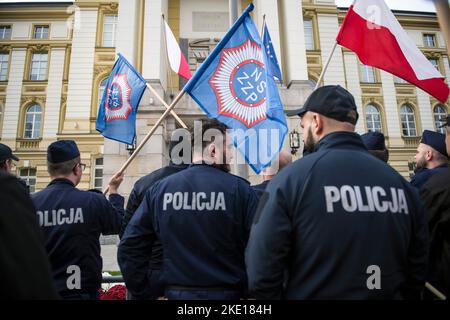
408	5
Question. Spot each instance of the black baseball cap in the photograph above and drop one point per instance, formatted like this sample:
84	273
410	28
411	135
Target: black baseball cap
446	121
6	153
331	101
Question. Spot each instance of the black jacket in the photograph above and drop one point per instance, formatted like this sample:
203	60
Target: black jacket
436	196
24	267
202	216
330	220
72	221
137	195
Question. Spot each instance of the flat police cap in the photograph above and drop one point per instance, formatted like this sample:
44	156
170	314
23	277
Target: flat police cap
435	140
62	151
6	153
374	141
331	101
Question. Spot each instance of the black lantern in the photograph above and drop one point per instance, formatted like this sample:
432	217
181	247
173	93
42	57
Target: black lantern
131	147
294	141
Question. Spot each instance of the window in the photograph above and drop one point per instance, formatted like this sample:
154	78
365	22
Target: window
39	66
5	32
309	34
400	80
109	31
439	114
4	59
373	119
41	32
429	40
367	74
29	176
33	122
408	121
1	118
101	90
98	174
435	63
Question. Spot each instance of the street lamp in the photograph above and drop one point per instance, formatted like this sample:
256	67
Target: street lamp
131	147
294	141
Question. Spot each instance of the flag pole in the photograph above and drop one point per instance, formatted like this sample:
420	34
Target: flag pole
263	24
326	65
435	291
173	113
149	134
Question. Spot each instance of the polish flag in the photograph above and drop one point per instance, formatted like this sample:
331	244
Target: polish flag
371	30
177	60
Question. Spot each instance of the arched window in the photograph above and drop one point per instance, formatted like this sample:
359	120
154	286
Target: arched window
373	119
408	121
101	90
439	114
33	118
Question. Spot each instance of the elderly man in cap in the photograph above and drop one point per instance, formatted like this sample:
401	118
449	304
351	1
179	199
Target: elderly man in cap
374	142
337	219
431	157
6	158
436	196
72	221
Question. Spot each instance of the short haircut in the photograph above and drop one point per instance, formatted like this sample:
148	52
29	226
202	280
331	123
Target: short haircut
440	157
62	168
383	155
207	124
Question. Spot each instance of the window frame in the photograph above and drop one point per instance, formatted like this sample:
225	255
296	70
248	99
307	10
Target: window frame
36	26
26	111
363	67
6	26
366	114
444	114
437	65
27	177
413	111
40	63
95	167
314	47
433	36
114	31
8	54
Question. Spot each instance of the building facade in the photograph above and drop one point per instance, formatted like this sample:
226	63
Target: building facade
54	59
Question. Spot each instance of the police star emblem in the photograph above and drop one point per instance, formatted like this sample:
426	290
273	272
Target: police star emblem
118	105
239	83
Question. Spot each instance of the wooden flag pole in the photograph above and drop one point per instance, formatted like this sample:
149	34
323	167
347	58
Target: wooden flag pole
149	134
155	93
326	65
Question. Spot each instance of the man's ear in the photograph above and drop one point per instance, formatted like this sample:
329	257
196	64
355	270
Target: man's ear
318	128
212	150
429	155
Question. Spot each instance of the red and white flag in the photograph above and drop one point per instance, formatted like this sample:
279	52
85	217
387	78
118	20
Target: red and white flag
177	60
371	30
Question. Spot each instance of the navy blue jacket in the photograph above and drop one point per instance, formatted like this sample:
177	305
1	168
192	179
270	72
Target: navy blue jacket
422	176
329	220
72	221
137	195
202	216
260	188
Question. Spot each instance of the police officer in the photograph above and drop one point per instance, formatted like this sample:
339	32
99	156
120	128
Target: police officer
341	223
375	143
202	216
431	157
6	158
72	221
141	186
284	158
436	196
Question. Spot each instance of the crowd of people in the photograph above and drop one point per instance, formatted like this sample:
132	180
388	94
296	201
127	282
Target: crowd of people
339	223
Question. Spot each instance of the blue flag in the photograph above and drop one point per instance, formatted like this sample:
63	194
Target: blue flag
274	68
234	85
116	118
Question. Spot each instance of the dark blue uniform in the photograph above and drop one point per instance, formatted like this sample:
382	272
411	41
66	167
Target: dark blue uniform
136	196
260	188
330	220
422	176
72	221
202	216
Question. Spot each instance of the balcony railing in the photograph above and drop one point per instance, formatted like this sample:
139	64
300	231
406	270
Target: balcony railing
28	144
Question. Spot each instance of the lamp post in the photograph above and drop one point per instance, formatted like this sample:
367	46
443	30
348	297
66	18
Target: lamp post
294	141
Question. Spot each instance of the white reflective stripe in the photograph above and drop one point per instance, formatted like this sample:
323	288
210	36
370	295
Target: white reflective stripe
377	12
173	50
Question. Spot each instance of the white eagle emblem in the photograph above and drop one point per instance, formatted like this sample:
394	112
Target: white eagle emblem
118	105
239	83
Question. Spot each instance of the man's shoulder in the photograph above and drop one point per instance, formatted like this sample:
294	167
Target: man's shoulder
439	180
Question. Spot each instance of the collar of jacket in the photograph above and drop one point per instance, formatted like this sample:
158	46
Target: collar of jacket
180	166
61	181
340	140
